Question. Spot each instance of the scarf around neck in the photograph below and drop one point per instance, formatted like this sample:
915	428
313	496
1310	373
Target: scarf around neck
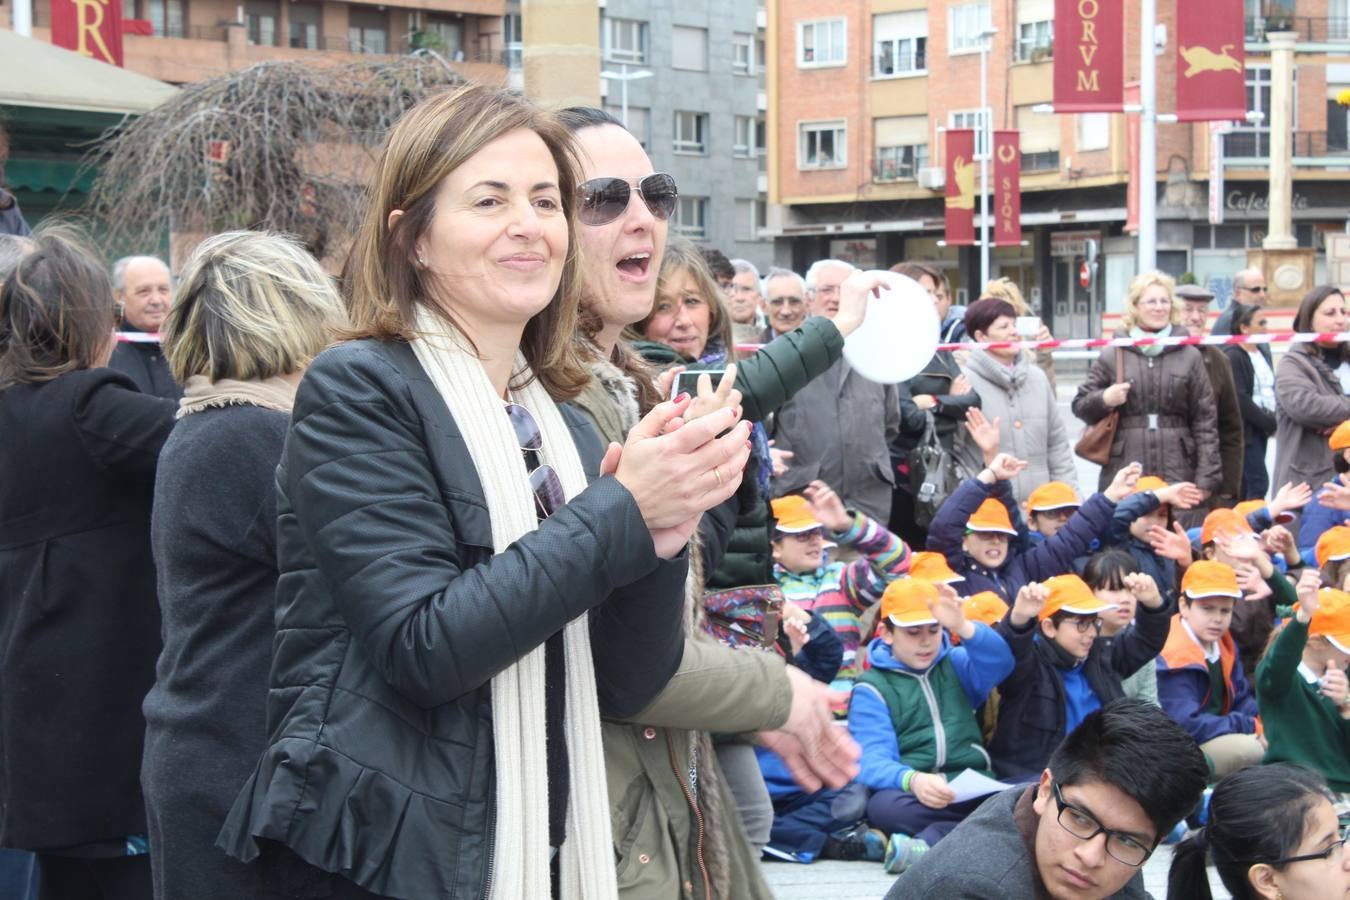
521	846
202	393
1150	349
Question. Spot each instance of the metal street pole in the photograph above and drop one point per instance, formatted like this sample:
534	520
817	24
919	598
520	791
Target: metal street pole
1148	138
985	38
623	76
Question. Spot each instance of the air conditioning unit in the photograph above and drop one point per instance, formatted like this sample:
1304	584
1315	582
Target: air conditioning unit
934	178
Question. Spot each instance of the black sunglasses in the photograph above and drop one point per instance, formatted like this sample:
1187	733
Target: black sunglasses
604	199
544	482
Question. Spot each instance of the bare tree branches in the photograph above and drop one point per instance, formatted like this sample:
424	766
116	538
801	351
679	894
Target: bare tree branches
280	145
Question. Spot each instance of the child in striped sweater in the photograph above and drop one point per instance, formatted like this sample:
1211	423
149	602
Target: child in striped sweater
839	591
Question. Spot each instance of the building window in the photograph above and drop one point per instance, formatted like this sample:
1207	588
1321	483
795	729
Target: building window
1338	117
965	23
262	17
166	17
1252	141
689	48
367	30
1039	139
745	220
1094	131
822	43
691	218
691	132
1035	41
901	163
515	42
822	145
444	35
900	44
971	118
901	147
743	54
743	140
639	122
305	21
625	40
759	54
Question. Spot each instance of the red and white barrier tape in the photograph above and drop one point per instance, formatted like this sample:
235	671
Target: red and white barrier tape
1280	337
137	337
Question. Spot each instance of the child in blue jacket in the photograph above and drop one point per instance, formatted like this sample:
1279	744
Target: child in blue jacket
992	549
913	713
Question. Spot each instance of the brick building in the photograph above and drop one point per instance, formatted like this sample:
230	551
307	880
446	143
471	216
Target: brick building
860	96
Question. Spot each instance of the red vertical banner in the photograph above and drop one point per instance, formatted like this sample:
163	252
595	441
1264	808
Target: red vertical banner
1132	159
961	171
1211	62
1007	188
1089	55
91	28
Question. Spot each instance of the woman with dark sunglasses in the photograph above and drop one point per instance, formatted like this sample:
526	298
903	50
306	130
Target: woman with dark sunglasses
466	585
667	791
1272	834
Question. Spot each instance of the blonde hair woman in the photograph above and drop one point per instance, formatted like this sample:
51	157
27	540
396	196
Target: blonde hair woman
1167	414
252	310
464	587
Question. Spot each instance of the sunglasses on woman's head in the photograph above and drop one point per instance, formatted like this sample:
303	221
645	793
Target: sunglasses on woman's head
604	199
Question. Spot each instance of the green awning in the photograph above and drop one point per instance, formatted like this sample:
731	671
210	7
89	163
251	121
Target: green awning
56	175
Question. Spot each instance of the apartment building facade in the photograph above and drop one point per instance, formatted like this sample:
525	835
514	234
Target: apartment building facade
860	98
693	73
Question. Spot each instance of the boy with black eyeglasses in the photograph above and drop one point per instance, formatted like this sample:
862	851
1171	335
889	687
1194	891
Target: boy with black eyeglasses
913	713
1113	788
1062	672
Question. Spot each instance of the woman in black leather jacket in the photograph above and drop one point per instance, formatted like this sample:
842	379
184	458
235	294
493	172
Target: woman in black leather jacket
445	567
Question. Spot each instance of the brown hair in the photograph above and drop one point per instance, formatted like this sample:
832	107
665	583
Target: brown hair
381	283
1308	306
682	256
917	270
56	311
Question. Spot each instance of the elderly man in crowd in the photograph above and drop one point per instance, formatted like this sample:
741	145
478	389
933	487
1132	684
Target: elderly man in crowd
784	303
840	425
1249	289
143	290
1195	302
743	301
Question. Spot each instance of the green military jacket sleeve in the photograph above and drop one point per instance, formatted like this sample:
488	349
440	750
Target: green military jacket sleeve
719	689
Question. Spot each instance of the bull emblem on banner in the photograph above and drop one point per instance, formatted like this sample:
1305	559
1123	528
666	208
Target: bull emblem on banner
1203	59
963	174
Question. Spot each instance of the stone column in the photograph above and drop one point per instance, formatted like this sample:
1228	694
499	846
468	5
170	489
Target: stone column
562	51
1280	232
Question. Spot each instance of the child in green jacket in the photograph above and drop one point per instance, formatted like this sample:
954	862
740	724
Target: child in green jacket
1301	684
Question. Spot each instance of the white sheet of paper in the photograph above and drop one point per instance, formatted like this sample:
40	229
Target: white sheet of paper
971	784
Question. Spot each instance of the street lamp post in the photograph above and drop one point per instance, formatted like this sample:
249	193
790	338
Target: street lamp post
1148	137
623	76
986	140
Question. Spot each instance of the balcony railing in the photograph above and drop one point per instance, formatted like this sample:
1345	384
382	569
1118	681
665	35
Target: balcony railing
1042	161
1309	29
892	170
1254	144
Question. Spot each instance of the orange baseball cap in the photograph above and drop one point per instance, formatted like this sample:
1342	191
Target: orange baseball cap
1332	619
992	516
1247	507
905	602
1208	578
932	567
793	514
1334	544
986	607
1053	495
1149	483
1223	522
1340	438
1070	594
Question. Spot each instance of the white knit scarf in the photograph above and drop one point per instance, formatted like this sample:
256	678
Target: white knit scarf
521	849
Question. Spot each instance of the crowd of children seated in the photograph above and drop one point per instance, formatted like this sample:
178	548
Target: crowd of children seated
970	661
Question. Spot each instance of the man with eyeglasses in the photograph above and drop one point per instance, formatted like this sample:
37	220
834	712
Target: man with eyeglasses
743	301
839	427
1113	789
784	302
1195	302
1249	289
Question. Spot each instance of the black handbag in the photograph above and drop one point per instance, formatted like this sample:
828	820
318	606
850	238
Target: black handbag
932	474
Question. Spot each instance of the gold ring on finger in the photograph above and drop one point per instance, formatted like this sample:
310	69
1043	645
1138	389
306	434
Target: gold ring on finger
717	470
